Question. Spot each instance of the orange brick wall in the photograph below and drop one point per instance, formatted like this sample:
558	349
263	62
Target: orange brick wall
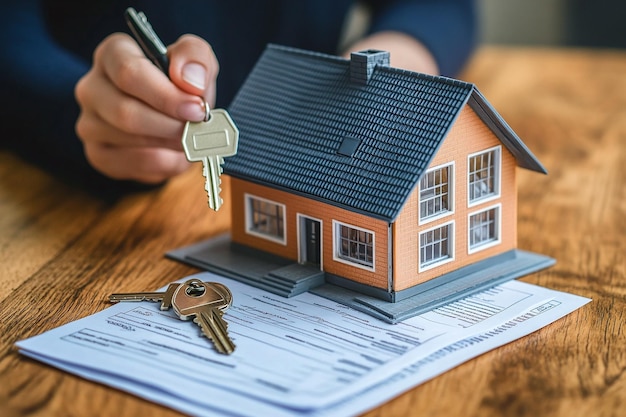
468	135
324	212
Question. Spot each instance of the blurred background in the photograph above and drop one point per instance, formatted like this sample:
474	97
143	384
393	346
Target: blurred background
563	23
595	23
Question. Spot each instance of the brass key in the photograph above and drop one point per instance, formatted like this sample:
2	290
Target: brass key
164	297
205	303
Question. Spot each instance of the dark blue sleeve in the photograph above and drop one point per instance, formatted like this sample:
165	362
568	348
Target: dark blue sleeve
446	27
39	111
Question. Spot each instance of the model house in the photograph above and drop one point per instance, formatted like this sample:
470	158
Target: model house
392	188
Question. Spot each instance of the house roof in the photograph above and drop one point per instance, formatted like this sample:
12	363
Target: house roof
306	126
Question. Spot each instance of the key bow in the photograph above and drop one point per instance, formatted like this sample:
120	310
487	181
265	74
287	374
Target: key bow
194	294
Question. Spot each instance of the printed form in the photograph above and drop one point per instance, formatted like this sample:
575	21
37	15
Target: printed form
297	356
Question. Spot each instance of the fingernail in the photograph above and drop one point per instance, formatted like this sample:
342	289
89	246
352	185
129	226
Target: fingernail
195	74
191	111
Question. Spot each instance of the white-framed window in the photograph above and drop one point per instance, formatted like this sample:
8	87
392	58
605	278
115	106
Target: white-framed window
483	176
353	245
436	246
265	218
436	193
484	228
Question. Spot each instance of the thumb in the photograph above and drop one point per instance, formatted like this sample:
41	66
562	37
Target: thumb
193	67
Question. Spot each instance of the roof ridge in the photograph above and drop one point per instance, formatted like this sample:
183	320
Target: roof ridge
422	75
304	52
428	77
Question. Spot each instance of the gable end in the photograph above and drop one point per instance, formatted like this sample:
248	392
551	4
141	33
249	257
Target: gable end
503	131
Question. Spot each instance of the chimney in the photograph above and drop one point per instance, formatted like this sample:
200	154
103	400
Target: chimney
362	64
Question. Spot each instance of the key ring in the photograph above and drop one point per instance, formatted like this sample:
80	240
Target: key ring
207	110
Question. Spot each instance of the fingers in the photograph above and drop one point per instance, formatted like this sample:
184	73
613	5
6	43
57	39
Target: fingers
147	165
194	67
95	129
121	61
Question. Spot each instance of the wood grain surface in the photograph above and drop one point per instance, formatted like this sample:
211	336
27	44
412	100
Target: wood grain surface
62	252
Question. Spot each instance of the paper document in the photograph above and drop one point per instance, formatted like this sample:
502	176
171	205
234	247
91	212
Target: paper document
297	356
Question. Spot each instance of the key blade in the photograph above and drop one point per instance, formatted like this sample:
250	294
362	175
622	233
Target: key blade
212	171
164	297
215	328
136	296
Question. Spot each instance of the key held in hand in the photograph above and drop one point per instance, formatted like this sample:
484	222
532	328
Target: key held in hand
210	142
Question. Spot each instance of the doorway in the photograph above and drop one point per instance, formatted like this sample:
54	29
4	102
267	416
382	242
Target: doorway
310	240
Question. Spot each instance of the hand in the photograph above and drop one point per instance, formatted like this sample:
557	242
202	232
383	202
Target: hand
132	116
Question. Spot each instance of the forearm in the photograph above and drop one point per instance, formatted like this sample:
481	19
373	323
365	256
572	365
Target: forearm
37	79
442	31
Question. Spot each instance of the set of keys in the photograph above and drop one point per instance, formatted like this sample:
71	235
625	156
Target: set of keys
204	302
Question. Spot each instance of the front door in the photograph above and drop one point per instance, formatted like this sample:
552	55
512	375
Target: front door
310	240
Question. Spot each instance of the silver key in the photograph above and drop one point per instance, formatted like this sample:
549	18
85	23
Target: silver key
164	297
205	303
210	142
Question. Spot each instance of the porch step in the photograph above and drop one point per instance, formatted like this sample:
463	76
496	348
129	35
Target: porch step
293	279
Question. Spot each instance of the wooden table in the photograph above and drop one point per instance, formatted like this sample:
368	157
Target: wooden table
62	252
